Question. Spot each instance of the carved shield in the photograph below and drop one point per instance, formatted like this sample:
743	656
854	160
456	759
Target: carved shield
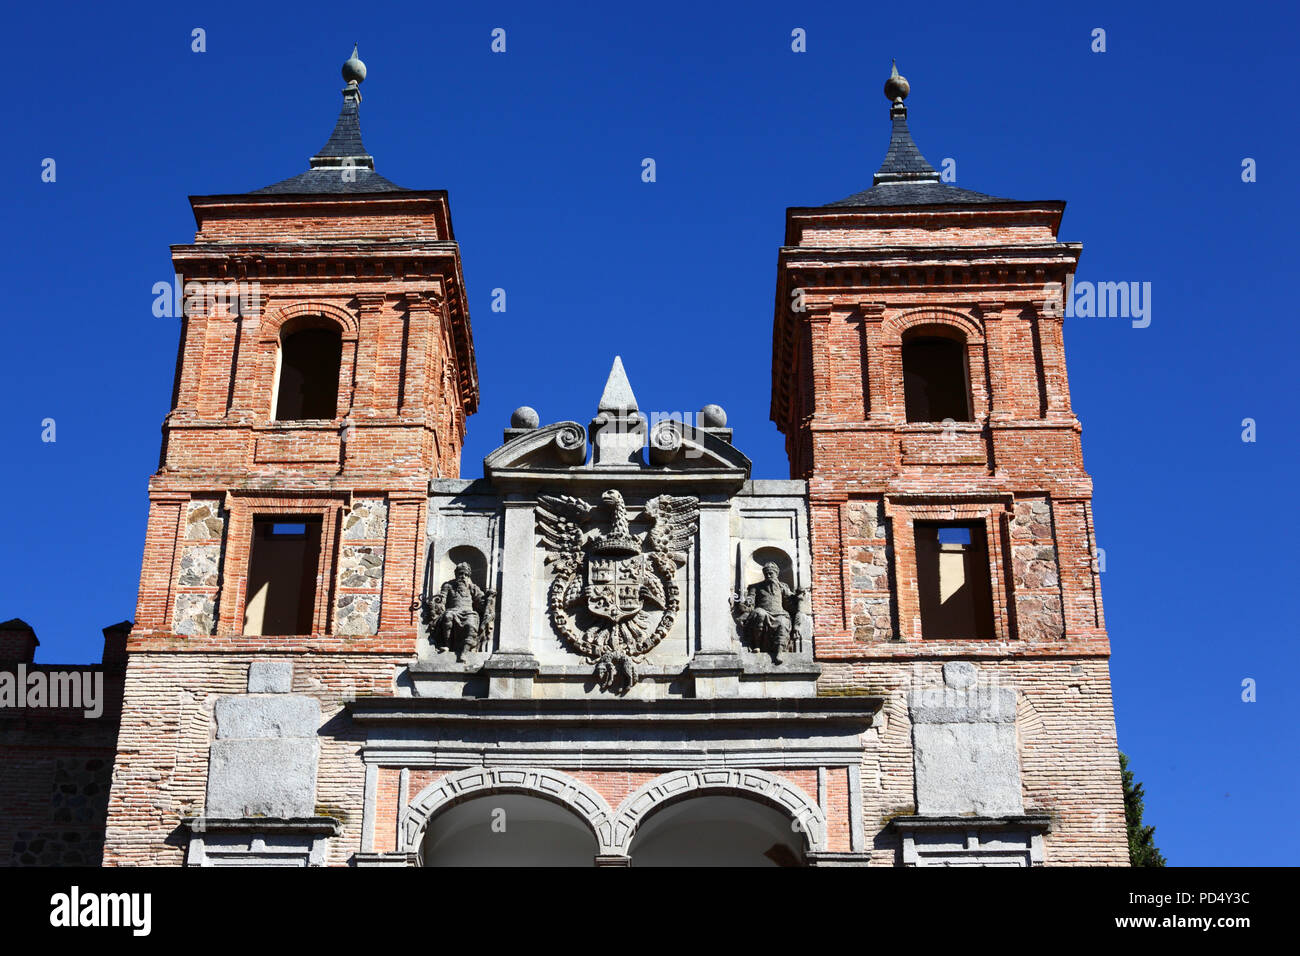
614	586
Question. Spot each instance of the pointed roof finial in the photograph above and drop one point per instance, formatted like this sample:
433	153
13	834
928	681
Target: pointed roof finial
896	89
342	165
905	178
617	396
354	71
903	162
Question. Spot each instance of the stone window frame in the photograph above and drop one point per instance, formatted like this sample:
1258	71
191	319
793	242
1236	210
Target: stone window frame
270	340
894	328
903	512
241	509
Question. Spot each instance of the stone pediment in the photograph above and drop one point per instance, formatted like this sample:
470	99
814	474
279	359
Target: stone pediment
676	451
557	447
620	445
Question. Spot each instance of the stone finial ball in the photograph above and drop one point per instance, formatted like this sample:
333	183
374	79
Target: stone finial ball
713	416
524	417
896	87
353	68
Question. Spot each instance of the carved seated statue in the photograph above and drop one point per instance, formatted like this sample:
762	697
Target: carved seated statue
460	615
764	613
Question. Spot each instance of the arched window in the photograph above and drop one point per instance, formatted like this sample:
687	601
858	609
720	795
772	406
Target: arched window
309	374
936	382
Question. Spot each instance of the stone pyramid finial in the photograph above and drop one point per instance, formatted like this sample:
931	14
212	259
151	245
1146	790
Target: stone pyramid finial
617	397
618	430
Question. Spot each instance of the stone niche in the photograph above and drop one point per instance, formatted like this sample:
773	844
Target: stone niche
615	558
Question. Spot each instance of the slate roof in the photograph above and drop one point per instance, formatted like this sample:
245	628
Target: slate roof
342	165
914	194
906	178
330	179
345	141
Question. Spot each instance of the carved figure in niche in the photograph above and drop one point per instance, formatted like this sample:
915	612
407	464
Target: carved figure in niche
461	614
764	613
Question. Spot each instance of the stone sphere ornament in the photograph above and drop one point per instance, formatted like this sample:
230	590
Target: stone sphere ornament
354	71
713	416
896	87
524	417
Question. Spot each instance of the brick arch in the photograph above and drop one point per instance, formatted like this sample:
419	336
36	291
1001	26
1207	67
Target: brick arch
897	327
759	785
272	324
462	785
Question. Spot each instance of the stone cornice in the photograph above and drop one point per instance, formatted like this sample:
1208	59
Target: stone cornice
325	826
1035	822
716	710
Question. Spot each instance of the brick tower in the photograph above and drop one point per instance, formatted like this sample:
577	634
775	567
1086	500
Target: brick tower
325	372
345	654
918	374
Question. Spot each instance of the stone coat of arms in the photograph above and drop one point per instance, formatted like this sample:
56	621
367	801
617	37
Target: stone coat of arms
609	586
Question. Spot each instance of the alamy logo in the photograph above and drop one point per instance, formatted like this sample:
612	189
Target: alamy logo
67	689
197	299
1103	300
76	909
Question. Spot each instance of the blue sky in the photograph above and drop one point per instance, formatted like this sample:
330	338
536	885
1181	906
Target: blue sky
541	150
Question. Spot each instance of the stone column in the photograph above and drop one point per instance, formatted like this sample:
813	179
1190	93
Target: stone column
717	629
716	666
511	669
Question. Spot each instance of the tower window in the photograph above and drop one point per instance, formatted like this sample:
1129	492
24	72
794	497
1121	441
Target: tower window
935	381
952	577
309	375
282	569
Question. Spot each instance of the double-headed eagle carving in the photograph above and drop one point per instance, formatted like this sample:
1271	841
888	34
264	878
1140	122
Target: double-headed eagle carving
609	586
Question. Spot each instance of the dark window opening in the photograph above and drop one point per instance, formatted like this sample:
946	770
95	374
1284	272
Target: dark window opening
953	584
309	375
282	570
935	383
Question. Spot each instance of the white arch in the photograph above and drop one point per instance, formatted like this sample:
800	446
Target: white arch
481	781
755	784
